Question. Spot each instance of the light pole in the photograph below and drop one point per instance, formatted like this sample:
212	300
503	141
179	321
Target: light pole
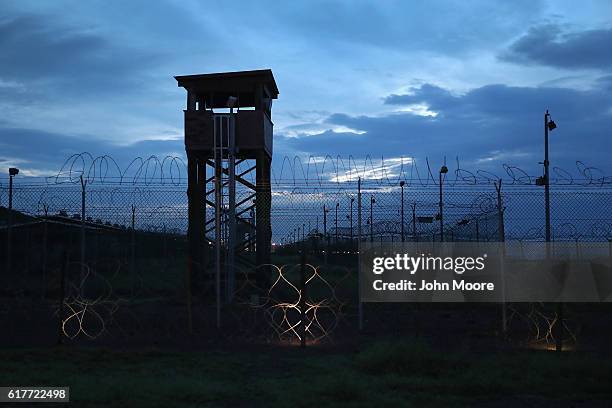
402	183
13	171
443	170
372	201
549	125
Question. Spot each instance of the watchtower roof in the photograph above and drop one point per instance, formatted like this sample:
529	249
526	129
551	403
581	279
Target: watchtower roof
242	84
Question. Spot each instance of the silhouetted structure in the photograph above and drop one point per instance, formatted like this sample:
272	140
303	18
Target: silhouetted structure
221	141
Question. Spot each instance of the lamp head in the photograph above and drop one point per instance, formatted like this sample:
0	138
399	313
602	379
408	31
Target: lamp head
443	170
13	171
231	101
552	125
402	183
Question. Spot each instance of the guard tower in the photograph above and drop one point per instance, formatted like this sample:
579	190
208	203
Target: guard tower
228	124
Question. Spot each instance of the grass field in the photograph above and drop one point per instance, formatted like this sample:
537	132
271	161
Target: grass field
387	373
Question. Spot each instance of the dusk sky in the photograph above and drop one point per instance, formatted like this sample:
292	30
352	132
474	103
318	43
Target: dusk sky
395	79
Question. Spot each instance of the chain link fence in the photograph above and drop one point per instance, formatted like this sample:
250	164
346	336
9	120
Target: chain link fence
107	257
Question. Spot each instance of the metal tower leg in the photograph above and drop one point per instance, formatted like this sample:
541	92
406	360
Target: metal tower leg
192	229
201	220
231	244
263	226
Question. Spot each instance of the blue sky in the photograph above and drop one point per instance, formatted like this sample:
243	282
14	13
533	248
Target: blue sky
395	79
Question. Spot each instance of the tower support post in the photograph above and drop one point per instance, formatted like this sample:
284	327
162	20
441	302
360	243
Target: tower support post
263	225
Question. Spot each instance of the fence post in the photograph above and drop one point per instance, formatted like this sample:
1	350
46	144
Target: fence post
133	248
502	239
359	304
62	295
44	255
28	263
325	236
188	295
303	297
83	269
414	233
560	329
9	231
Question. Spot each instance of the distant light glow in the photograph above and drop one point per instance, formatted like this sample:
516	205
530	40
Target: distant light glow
315	129
390	168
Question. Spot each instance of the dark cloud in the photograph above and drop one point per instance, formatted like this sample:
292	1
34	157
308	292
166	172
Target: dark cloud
437	98
40	53
34	49
491	121
502	101
550	45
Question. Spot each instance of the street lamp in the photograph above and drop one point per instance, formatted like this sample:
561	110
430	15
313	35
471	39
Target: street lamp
443	170
549	125
402	183
372	201
13	171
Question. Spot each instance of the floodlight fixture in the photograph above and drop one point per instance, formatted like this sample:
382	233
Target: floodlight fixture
231	101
